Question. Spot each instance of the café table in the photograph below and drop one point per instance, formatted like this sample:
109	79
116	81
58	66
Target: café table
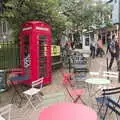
68	111
93	82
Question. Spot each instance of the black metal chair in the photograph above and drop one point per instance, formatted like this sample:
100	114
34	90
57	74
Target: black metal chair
110	99
16	81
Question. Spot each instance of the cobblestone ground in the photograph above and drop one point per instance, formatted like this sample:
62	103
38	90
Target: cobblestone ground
53	90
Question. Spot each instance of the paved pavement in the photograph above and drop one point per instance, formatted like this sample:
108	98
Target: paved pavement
52	92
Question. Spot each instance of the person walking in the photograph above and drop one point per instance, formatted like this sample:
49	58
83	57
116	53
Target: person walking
108	44
114	51
93	49
100	50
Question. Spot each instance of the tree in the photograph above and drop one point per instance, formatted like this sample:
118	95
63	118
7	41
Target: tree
75	14
16	12
86	13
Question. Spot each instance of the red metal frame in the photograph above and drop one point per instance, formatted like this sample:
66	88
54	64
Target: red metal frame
35	29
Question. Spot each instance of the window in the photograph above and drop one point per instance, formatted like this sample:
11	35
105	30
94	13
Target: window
26	45
87	41
3	27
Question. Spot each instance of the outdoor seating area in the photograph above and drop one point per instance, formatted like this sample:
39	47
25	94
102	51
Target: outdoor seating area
59	59
97	96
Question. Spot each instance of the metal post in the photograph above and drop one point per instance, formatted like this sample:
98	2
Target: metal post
69	64
107	63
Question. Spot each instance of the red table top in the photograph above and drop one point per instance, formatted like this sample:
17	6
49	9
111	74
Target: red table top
68	111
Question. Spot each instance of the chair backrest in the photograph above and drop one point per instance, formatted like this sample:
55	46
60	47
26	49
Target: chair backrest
114	106
111	91
94	73
67	80
110	74
5	110
113	100
66	77
38	82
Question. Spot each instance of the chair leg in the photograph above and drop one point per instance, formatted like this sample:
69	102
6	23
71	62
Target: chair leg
105	113
40	99
30	102
114	105
117	117
89	89
9	112
82	101
13	97
75	101
100	108
79	97
16	93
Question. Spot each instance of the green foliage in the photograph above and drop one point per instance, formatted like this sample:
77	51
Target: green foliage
86	13
78	14
9	56
16	12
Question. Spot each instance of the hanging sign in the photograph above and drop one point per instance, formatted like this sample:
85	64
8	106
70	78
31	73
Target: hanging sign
55	50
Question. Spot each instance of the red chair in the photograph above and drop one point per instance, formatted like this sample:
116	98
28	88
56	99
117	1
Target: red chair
74	93
67	78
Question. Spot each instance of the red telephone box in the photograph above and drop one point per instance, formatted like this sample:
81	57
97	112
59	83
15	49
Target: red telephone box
35	51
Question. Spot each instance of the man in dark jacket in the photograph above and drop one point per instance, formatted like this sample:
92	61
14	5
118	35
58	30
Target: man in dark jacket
114	50
108	44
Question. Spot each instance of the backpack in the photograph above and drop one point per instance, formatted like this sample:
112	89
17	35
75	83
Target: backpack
113	47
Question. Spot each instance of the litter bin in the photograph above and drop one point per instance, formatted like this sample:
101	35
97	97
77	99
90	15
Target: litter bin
3	80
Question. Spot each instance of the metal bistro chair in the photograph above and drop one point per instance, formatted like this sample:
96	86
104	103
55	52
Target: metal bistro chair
5	112
80	65
75	94
34	92
16	82
110	100
110	75
80	68
68	77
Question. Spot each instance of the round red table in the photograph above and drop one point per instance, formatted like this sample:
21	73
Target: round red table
68	111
